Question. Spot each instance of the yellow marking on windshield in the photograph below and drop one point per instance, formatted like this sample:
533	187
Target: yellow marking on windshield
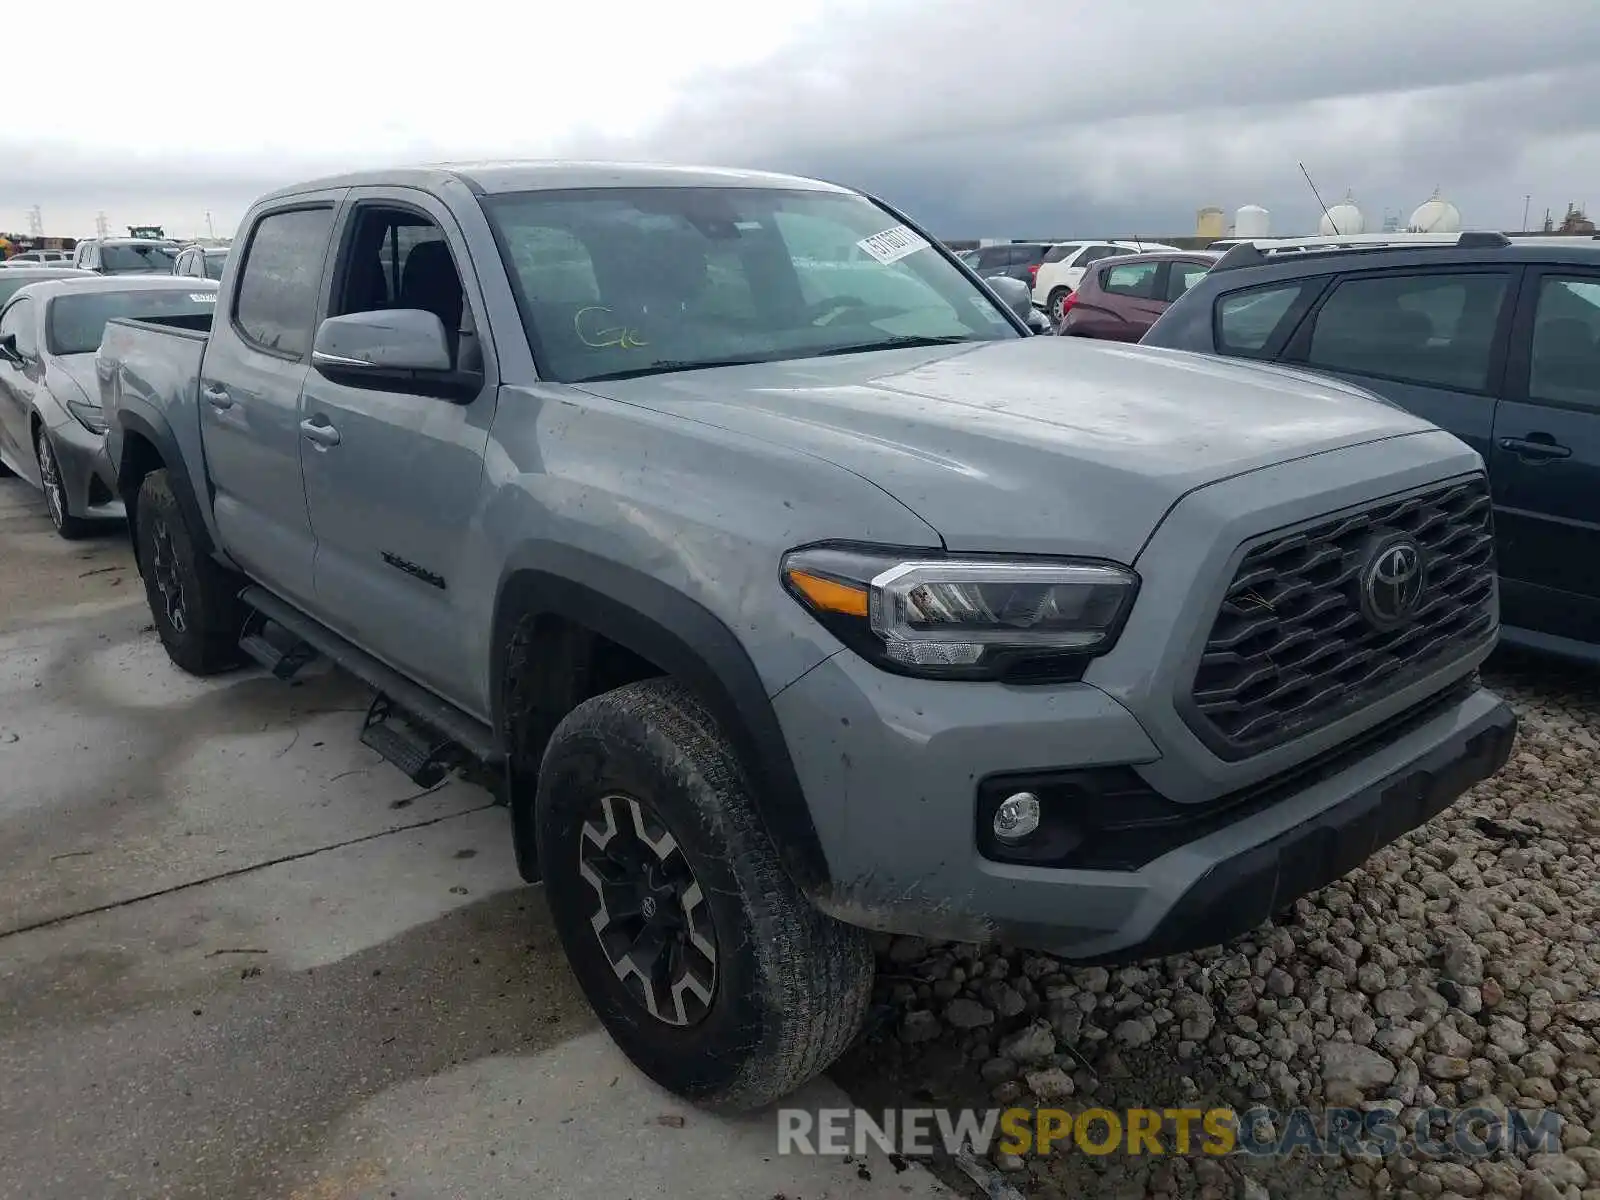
618	335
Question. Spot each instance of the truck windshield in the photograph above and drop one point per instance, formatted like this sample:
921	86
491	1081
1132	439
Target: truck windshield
75	323
136	259
633	281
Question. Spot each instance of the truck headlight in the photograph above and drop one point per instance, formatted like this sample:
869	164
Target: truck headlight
966	617
89	415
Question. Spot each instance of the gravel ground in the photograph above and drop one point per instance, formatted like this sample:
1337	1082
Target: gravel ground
1460	967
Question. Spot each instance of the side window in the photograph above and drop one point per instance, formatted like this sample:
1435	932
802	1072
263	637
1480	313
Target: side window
1130	279
1060	253
1245	321
18	321
398	258
1565	362
1429	329
1183	276
276	298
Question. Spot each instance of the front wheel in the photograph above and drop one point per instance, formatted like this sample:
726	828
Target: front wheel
193	601
55	491
704	961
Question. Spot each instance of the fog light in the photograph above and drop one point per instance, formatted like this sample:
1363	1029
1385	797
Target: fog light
1017	817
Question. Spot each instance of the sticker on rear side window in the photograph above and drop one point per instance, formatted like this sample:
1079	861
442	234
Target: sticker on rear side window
203	297
893	244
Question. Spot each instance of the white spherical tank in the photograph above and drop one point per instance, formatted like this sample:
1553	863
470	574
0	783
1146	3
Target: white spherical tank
1251	221
1438	215
1343	218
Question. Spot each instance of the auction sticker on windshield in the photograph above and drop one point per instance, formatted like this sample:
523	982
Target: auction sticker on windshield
893	244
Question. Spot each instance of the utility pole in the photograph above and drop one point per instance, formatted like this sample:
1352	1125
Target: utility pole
101	228
1526	200
211	231
35	222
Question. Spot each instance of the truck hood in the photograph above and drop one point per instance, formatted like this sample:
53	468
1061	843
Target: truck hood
1038	445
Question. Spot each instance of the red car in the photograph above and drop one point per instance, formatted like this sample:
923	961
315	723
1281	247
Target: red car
1119	298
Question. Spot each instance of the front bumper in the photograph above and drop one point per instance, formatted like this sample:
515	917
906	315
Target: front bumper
891	767
80	457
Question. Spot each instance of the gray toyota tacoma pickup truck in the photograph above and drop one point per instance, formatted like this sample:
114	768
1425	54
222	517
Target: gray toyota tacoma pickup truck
790	590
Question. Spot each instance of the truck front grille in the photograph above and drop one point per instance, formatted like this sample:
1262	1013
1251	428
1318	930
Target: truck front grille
1293	649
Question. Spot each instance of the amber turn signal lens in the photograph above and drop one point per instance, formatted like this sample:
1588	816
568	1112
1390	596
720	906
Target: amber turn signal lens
828	596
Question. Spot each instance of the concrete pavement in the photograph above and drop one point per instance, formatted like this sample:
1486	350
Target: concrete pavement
239	957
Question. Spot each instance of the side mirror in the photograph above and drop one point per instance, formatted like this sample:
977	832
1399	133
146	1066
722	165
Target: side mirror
1037	321
8	348
395	339
1013	293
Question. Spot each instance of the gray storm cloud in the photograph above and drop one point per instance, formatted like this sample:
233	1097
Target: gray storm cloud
1013	117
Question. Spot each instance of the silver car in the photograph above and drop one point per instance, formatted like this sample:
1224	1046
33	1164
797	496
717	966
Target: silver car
50	424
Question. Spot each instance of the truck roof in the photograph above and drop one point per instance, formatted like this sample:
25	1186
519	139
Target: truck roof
543	175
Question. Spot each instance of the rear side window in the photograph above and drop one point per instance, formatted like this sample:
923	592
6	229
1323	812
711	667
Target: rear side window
1246	321
276	297
1183	276
1436	330
1565	364
1026	255
1130	279
1061	253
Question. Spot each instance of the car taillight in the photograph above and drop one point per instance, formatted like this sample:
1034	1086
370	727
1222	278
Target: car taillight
1066	305
1033	271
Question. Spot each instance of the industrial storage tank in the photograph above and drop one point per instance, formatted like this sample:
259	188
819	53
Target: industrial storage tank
1438	215
1343	218
1251	221
1209	222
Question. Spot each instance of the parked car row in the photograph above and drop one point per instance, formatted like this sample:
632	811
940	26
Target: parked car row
129	256
1052	270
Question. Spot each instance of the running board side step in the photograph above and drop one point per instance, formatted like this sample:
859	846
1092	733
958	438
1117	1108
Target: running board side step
282	653
427	713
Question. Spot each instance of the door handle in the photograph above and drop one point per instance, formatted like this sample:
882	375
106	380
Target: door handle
320	432
1535	448
217	397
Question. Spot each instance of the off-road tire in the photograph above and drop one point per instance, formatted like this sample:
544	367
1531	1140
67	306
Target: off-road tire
212	616
792	984
66	525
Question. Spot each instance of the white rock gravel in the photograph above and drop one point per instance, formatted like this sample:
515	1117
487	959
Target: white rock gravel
1458	967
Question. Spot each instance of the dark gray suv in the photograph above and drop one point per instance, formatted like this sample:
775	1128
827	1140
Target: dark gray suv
1497	341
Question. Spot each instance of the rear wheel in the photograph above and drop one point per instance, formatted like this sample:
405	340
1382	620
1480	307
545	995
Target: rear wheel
1056	305
55	491
193	600
703	960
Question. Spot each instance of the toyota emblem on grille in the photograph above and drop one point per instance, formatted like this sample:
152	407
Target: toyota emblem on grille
1391	582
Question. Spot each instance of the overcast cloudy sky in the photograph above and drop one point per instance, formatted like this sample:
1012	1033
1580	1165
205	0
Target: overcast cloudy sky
980	117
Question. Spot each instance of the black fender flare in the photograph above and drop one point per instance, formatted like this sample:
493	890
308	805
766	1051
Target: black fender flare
685	640
159	434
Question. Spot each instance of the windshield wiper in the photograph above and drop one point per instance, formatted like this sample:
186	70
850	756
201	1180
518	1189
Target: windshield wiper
665	365
899	343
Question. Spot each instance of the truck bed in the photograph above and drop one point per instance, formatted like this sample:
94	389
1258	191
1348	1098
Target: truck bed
149	369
